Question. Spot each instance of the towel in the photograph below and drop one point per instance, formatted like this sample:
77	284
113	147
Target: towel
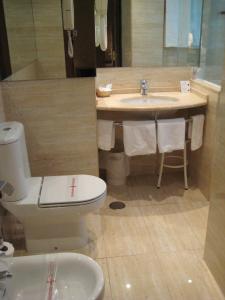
171	135
101	38
139	137
195	131
97	29
106	135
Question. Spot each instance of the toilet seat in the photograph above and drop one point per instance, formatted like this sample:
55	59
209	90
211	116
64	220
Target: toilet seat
74	190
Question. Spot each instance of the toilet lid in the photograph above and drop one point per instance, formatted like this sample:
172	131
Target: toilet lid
70	190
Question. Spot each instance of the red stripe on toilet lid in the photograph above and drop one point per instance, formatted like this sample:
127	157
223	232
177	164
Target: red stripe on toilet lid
73	187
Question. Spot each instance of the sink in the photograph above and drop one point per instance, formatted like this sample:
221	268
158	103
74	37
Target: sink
61	276
149	100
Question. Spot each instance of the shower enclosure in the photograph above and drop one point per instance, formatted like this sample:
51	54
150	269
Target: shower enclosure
213	41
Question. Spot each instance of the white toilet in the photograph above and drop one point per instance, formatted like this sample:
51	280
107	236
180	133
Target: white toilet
52	209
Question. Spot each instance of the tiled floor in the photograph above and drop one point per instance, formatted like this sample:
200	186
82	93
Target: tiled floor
153	248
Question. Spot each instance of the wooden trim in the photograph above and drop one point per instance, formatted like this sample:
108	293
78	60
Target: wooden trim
5	65
118	37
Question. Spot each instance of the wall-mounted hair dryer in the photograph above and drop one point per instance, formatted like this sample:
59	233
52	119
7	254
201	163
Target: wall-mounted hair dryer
68	23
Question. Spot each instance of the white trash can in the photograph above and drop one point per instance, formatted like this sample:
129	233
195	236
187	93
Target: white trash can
118	168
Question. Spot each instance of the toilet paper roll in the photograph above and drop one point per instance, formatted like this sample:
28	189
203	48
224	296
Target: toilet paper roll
9	252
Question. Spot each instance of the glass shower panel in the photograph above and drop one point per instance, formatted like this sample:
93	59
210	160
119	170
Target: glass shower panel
213	41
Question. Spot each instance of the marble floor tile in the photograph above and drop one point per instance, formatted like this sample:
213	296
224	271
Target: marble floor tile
95	247
197	220
107	292
168	228
125	232
153	248
188	277
137	277
142	191
195	208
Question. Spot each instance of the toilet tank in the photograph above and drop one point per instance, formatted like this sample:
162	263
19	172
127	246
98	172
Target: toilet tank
14	164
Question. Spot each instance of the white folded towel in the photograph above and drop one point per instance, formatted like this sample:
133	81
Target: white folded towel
195	131
139	137
106	135
171	135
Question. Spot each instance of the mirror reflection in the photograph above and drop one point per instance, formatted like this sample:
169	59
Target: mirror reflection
39	41
46	39
20	32
151	33
35	39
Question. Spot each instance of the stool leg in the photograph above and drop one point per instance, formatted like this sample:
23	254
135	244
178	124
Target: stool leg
161	170
185	168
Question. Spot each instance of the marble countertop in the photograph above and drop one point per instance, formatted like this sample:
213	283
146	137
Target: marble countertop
182	101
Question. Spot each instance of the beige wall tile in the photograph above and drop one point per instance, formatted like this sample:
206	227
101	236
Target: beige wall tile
125	78
201	160
126	34
20	32
36	43
215	238
147	27
49	38
60	123
30	72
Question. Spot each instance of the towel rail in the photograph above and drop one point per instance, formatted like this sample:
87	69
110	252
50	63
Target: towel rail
120	124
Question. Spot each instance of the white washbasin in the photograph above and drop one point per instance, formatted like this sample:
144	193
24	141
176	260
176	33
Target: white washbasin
149	100
61	276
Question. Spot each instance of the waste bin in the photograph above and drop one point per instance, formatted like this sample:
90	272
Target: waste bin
117	168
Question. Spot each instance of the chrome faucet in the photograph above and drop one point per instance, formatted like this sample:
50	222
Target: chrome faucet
144	87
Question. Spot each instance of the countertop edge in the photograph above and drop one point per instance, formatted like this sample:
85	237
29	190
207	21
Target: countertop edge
203	100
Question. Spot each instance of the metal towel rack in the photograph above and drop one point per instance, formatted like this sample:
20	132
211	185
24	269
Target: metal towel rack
120	124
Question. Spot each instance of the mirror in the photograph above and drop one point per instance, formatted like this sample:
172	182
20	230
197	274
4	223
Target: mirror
151	33
36	42
20	32
35	39
45	39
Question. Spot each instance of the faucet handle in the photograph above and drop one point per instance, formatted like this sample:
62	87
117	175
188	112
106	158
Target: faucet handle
144	87
144	82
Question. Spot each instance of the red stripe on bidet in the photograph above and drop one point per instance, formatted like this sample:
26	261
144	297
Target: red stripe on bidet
50	280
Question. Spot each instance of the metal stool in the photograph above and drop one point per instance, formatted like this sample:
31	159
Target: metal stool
184	165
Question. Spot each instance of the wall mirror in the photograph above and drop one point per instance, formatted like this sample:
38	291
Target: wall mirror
43	39
152	33
36	38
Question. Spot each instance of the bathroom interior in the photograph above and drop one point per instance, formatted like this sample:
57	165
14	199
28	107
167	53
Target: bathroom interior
112	149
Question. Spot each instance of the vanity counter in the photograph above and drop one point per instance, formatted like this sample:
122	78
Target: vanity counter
162	101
